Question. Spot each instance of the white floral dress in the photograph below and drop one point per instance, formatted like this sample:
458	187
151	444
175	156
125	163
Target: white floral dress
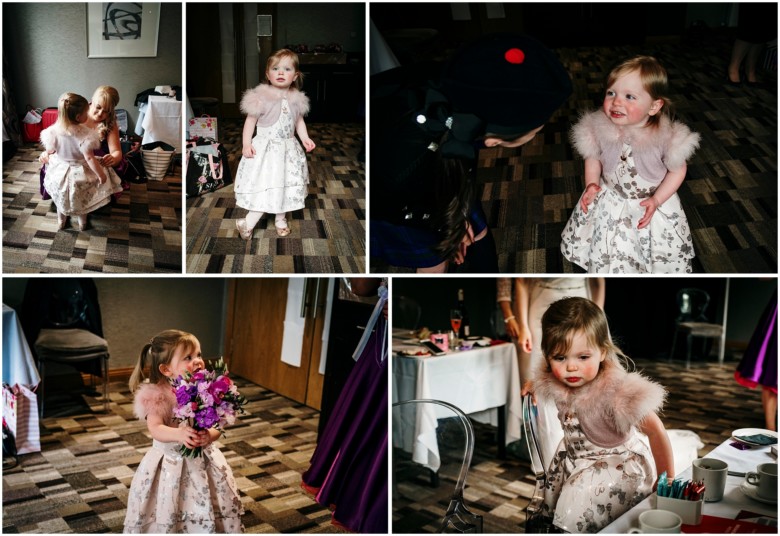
74	188
276	179
173	494
588	486
606	239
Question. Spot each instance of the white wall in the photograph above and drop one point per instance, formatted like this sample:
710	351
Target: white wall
45	46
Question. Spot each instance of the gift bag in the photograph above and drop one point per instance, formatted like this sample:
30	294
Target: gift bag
206	167
32	125
157	157
20	414
202	127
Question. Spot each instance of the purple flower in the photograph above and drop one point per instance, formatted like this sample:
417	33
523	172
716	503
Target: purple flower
206	418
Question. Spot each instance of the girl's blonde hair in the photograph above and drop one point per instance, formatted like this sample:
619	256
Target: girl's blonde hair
278	56
654	80
568	316
108	98
69	107
159	351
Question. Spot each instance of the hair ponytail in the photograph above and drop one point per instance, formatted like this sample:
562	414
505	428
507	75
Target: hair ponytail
138	372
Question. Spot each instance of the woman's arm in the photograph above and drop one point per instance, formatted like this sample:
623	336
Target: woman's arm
598	291
660	445
114	156
303	134
669	185
523	299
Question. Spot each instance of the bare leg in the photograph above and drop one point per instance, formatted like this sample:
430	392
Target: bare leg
752	61
738	54
769	400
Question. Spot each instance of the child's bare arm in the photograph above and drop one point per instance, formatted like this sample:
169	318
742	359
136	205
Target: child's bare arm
669	185
659	444
97	167
303	134
246	138
168	434
592	179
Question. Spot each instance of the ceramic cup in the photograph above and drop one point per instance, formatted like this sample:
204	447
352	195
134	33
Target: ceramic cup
657	522
713	472
765	478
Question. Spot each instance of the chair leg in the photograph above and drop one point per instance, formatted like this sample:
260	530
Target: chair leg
105	384
42	373
688	355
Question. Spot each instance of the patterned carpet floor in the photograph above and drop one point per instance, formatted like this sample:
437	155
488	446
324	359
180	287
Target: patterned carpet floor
704	399
79	482
729	195
138	233
327	236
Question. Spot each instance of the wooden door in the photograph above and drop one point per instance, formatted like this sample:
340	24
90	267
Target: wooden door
255	331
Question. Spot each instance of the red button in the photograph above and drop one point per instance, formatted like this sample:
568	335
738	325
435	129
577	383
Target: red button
515	55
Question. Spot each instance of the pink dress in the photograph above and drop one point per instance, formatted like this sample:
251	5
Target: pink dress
174	494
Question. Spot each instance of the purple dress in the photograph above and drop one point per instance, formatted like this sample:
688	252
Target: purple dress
759	363
348	470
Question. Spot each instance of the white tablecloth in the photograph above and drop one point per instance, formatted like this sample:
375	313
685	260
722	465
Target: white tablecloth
162	121
734	499
18	362
477	381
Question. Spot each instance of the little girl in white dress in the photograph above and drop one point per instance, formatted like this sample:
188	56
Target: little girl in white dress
272	175
75	179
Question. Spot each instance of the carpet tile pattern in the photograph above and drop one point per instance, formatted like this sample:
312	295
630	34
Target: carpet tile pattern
327	236
704	399
138	233
80	481
729	195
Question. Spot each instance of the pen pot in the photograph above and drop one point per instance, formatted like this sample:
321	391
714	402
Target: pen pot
689	511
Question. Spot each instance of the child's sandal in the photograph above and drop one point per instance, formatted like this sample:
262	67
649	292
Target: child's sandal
281	227
245	233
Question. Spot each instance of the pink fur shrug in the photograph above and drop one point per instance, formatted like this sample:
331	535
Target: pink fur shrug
656	150
265	103
154	399
609	406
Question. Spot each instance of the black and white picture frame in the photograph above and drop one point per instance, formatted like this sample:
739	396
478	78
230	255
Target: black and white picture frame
122	29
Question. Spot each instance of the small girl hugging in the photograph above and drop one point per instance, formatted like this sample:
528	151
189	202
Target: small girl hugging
272	175
172	493
629	218
75	178
603	466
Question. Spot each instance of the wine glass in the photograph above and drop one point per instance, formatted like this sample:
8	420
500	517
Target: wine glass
456	319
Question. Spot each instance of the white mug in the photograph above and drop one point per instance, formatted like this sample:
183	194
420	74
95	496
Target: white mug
765	478
713	472
658	522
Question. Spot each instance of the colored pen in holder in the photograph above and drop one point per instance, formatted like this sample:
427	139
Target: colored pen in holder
683	497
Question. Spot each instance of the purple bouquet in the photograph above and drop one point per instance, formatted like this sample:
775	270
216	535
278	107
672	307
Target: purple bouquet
207	399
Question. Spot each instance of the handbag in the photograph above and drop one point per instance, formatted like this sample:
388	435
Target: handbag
20	414
206	167
157	157
32	125
204	126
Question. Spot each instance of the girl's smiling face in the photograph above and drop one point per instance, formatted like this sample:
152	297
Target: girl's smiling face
186	358
283	74
580	364
627	103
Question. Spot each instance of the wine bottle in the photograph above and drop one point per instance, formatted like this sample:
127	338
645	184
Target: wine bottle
465	328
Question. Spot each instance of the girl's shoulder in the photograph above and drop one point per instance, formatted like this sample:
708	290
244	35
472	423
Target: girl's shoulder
154	399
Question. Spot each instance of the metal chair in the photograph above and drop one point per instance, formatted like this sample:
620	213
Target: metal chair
455	445
692	304
64	336
406	313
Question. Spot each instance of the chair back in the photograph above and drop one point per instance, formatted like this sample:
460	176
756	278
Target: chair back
447	454
67	306
692	304
406	313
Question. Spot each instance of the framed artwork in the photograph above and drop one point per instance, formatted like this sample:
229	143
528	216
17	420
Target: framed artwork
122	29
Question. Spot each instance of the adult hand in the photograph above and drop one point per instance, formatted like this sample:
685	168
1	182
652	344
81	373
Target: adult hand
650	204
528	388
524	339
513	328
108	161
588	196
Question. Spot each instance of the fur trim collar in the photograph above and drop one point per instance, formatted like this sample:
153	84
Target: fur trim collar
609	406
259	101
154	399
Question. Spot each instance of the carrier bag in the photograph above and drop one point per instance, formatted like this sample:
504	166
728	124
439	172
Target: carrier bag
32	125
206	167
20	414
157	157
202	127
